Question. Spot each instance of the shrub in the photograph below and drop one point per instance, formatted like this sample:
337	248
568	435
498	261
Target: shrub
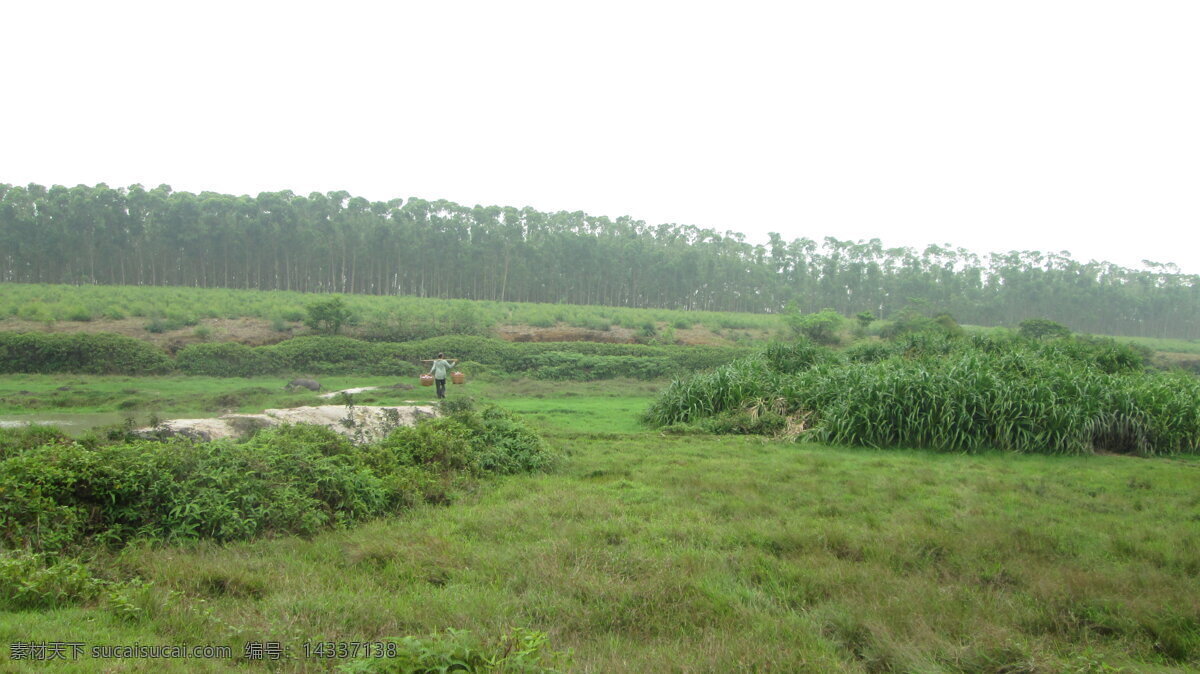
84	353
821	327
225	359
36	313
327	316
77	313
911	320
1042	328
61	495
33	581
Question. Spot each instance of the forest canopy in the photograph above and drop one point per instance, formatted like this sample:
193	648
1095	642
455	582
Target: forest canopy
335	242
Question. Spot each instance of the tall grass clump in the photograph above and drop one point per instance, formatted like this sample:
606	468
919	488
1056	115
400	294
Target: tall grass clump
937	391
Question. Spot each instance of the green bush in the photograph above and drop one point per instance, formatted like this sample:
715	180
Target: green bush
34	581
84	353
62	495
1042	328
327	316
225	359
821	327
911	321
77	313
16	440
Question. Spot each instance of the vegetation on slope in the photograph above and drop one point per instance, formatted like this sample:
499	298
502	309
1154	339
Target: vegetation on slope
113	354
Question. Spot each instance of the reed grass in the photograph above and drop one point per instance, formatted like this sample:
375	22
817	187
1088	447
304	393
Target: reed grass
1074	396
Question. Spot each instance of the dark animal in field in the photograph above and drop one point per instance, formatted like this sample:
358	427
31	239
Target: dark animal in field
310	384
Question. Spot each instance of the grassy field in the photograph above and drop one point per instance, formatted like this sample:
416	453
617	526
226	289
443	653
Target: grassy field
610	405
645	552
149	310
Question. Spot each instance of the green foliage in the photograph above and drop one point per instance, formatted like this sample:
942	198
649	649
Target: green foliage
60	496
789	358
78	313
821	327
225	359
16	440
519	650
935	391
868	352
543	360
912	320
567	366
327	316
1042	328
35	581
86	353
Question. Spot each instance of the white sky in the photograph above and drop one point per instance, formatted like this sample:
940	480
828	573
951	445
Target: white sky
1041	125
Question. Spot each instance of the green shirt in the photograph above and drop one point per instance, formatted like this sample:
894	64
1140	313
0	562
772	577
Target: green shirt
440	367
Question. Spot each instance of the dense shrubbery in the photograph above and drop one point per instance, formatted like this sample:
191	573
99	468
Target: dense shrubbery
938	391
60	495
112	354
85	353
224	359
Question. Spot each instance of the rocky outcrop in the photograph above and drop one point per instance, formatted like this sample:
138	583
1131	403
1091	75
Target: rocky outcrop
359	423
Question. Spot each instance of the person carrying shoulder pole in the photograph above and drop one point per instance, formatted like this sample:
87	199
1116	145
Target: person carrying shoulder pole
441	366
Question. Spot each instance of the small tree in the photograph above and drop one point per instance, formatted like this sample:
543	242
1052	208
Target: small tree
865	319
327	316
1042	328
821	327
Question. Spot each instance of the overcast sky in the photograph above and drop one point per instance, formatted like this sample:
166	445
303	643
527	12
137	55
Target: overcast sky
1045	125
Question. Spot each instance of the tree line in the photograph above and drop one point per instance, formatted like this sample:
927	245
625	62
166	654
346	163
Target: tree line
336	242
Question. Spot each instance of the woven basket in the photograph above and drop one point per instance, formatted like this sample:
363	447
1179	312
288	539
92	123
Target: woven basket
426	380
458	377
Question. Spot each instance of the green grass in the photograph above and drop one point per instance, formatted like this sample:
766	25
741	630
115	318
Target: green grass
701	553
31	393
1191	346
705	554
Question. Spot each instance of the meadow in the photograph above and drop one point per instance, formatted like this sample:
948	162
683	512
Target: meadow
641	552
656	524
